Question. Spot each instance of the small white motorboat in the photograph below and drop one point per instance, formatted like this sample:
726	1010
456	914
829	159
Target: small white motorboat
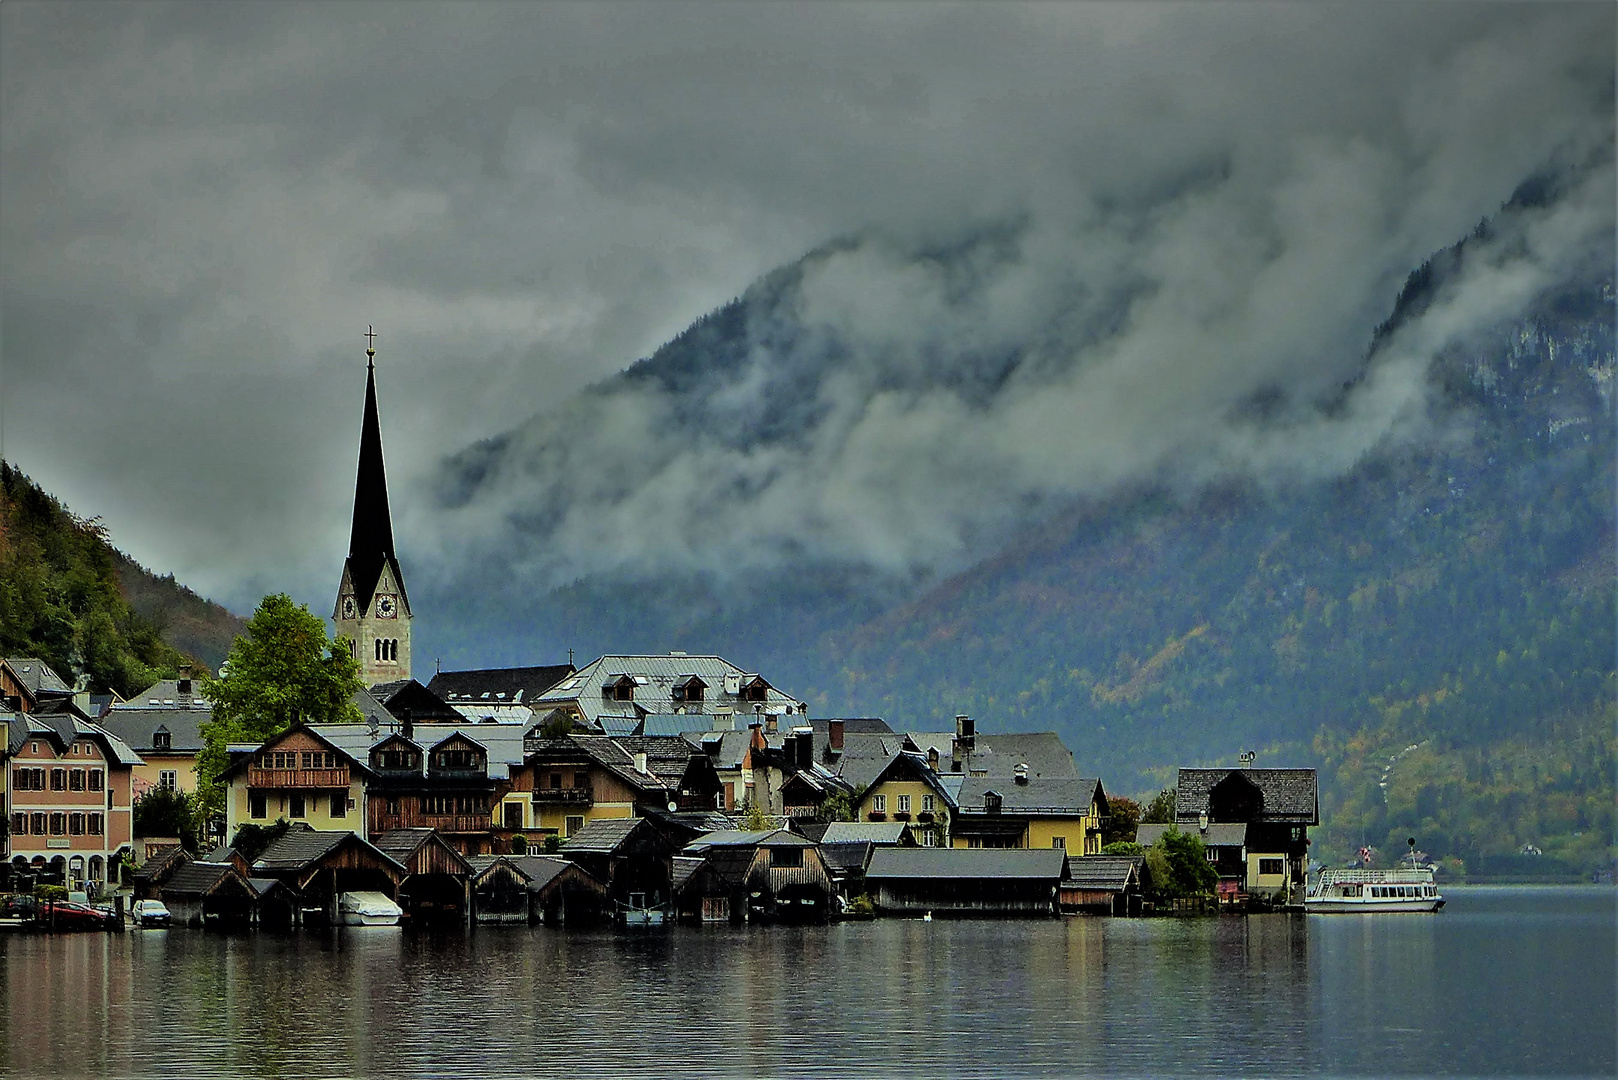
365	908
639	913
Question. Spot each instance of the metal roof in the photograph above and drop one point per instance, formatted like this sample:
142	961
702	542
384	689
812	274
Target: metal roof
928	862
871	832
655	677
743	838
1218	834
497	686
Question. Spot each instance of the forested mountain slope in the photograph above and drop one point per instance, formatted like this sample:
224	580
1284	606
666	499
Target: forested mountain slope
70	598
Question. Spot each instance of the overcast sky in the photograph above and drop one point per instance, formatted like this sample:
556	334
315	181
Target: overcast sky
203	206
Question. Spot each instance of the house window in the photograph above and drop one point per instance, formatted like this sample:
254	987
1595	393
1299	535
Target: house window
339	804
1212	853
1272	866
96	780
59	824
168	780
513	812
556	781
926	804
929	839
1059	842
75	780
161	740
38	825
295	806
572	825
94	824
879	803
257	805
19	824
393	806
791	857
581	779
991	801
58	779
904	804
75	824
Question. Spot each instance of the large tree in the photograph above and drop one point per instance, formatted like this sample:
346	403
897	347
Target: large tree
284	670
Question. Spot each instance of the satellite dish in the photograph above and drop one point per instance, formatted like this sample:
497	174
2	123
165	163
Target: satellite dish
673	806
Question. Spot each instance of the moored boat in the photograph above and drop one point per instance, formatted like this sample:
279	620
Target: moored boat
1366	890
365	908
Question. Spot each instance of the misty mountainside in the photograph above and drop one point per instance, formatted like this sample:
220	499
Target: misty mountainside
98	618
1415	593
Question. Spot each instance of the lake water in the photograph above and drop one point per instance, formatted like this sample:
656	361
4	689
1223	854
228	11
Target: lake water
1505	981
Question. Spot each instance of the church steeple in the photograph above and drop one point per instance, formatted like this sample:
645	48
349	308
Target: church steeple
372	609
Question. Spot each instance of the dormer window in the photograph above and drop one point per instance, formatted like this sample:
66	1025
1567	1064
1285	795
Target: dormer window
991	801
620	689
161	739
754	688
689	690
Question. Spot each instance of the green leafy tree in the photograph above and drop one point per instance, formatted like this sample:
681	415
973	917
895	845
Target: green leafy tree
1123	817
284	670
558	724
1123	847
162	812
838	807
251	840
1160	811
1179	865
753	819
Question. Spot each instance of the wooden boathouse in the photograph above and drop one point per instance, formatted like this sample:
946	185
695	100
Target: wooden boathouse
965	881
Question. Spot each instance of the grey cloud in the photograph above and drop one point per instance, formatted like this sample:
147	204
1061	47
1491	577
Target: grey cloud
1138	217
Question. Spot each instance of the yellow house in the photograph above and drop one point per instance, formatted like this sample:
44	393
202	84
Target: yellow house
1031	812
581	778
168	737
299	776
908	790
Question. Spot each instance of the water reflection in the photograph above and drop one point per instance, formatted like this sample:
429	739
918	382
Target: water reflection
1505	981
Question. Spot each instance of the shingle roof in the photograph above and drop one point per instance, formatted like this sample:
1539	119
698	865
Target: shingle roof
870	832
197	879
503	742
1112	872
926	862
865	756
401	844
537	870
847	855
601	834
744	838
297	848
425	706
1290	795
495	686
1219	834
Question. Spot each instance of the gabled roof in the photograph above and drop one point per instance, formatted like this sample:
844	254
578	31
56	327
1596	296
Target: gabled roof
866	755
1113	873
401	845
847	855
537	871
63	728
356	757
1290	795
914	764
654	678
300	848
1040	795
423	705
602	834
871	832
36	675
201	879
976	863
502	743
1218	834
999	755
136	725
497	686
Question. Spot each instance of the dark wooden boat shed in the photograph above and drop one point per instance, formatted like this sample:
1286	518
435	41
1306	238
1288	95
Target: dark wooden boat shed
1102	885
320	866
533	888
438	885
208	894
965	881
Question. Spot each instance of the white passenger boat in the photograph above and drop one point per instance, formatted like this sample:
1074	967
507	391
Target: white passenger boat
1405	889
365	908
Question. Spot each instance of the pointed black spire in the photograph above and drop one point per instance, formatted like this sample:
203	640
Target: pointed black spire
370	541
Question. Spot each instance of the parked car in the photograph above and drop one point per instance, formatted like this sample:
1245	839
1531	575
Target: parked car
67	915
150	913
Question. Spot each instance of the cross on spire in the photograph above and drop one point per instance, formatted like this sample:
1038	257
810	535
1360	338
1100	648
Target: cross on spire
370	342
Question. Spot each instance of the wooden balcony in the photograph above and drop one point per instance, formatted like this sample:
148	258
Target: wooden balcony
444	823
296	778
581	796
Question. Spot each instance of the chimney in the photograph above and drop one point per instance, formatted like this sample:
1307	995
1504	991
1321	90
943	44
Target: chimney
769	724
1202	822
806	748
932	758
640	761
406	728
183	684
1246	758
965	731
834	735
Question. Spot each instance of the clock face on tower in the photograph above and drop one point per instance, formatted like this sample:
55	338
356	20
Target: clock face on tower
348	607
386	607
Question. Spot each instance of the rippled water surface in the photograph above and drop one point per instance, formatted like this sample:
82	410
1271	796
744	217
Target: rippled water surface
1504	982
